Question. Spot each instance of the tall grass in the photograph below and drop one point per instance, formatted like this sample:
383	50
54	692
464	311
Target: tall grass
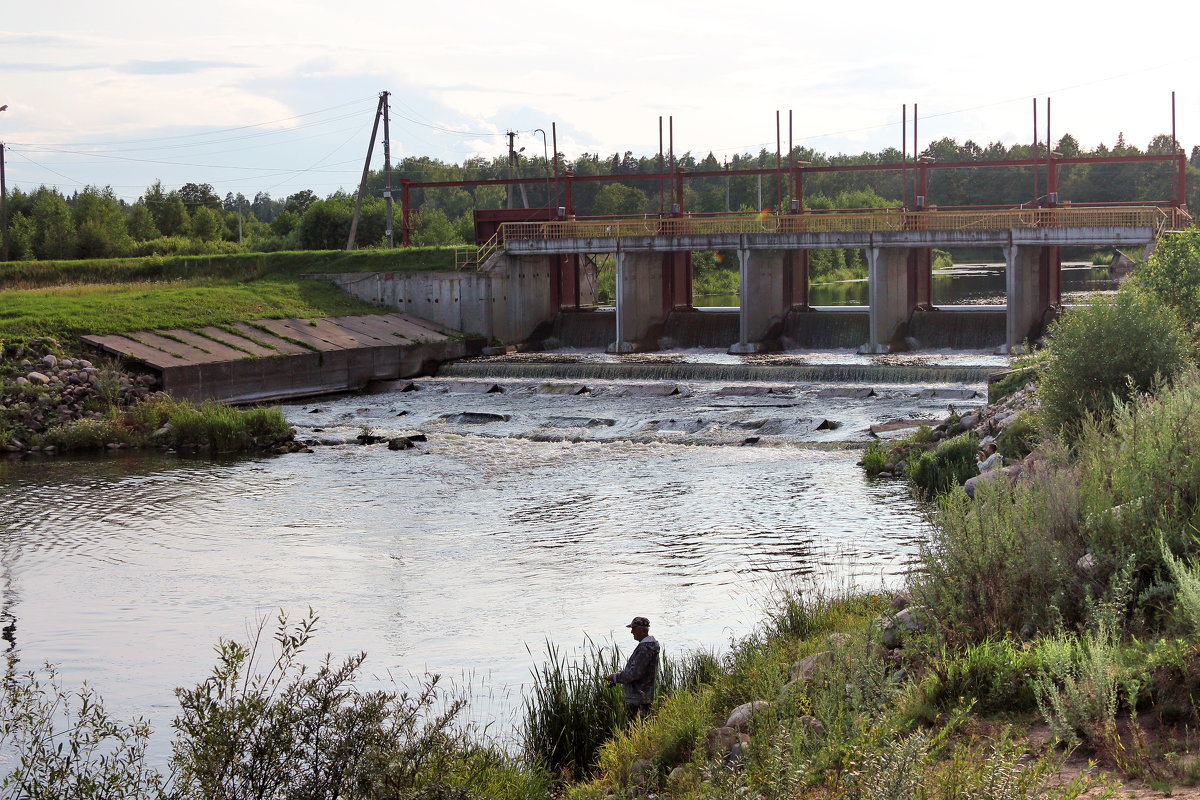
570	710
950	463
164	421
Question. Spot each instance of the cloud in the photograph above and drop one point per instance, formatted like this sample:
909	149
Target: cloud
29	66
175	67
35	39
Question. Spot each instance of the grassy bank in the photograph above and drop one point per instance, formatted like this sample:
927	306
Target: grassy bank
63	299
46	306
66	312
238	267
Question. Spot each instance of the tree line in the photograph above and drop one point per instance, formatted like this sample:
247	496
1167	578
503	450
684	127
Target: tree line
45	223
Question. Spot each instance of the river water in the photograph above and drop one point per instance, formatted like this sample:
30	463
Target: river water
539	509
964	284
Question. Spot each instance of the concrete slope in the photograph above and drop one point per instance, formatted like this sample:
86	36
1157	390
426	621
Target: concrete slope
273	359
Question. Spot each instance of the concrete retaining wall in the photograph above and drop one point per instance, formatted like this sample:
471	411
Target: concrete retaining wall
507	302
255	380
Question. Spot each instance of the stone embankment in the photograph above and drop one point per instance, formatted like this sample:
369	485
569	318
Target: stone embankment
42	390
1008	422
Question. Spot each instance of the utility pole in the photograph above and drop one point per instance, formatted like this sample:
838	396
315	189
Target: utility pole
362	186
3	203
387	168
3	208
512	160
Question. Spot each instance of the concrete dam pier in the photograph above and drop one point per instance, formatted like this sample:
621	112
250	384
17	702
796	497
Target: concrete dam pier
539	284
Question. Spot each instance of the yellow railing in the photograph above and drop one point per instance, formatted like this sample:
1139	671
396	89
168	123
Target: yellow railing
866	221
474	256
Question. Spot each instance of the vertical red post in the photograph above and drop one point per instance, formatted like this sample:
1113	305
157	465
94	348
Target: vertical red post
406	239
778	165
554	139
800	279
1051	181
791	160
1035	154
1181	181
904	156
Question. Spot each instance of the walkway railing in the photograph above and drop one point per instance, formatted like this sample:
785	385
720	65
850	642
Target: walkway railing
474	256
816	222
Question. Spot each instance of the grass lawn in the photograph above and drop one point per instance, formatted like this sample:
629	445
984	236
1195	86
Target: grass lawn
68	311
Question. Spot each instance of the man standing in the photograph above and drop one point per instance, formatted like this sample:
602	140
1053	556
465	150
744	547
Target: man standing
641	670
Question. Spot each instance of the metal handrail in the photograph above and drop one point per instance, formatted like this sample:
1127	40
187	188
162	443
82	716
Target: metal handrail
867	221
478	255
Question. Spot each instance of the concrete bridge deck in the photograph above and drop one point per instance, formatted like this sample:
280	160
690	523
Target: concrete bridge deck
653	274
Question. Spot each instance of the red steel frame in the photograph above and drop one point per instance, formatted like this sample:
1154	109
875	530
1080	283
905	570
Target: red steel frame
677	177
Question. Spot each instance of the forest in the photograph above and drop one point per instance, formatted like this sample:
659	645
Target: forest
46	224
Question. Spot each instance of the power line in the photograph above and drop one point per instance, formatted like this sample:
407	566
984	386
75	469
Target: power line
216	132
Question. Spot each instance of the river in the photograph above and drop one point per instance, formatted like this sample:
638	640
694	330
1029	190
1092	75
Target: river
539	509
963	284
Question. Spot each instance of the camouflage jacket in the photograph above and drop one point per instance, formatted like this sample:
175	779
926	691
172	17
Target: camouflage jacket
640	674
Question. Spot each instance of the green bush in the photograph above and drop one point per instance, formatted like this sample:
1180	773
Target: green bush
61	743
1004	562
994	675
951	462
1104	353
1018	438
1082	685
1139	478
1172	275
262	725
87	434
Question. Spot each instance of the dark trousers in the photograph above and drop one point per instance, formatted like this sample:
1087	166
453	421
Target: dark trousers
637	710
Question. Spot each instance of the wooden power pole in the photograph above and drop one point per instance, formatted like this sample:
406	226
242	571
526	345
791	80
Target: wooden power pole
362	186
387	169
3	209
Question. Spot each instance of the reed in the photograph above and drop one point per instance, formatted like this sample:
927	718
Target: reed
570	711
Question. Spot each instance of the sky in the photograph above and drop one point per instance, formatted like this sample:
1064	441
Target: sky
259	95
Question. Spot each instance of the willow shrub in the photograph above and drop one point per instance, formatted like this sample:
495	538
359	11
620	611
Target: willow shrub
1172	275
1103	354
1005	561
1140	487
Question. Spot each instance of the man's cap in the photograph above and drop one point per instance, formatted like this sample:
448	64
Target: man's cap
639	622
